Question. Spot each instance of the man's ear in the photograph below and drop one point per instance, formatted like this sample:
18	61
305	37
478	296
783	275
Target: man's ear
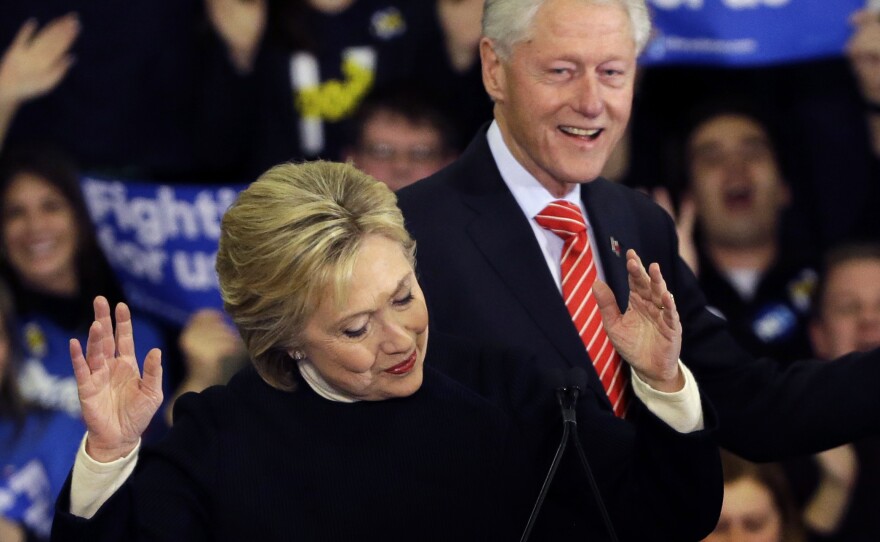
493	71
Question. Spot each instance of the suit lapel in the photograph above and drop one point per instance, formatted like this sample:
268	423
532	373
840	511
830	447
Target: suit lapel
505	238
614	233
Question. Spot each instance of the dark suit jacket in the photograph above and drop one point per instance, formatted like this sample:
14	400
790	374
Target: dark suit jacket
485	277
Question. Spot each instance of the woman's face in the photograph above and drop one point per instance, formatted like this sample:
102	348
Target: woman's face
372	346
40	234
748	514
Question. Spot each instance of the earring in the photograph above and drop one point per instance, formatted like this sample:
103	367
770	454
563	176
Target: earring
298	356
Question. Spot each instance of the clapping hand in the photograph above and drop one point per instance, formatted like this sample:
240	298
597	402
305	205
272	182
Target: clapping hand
240	24
37	60
460	21
685	224
648	334
117	403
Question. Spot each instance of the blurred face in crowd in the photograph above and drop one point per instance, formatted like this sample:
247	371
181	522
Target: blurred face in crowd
40	234
748	514
4	350
849	311
330	6
563	98
736	182
398	152
372	345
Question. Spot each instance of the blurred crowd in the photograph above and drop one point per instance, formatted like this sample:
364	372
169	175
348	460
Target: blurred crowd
770	172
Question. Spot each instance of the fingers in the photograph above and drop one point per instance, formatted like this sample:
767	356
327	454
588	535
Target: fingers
124	333
608	308
651	290
25	33
152	379
80	367
58	35
102	315
639	281
95	357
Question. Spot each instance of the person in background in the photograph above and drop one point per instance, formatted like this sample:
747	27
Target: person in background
758	505
36	445
863	52
845	318
401	136
821	108
55	267
299	69
34	64
739	196
133	119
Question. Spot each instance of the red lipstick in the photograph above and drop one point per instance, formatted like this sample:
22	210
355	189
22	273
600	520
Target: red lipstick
403	367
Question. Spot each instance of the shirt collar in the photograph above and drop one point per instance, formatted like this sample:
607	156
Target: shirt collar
320	386
530	194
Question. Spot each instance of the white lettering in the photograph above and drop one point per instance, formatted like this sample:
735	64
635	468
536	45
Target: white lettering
154	220
675	4
48	390
139	261
195	270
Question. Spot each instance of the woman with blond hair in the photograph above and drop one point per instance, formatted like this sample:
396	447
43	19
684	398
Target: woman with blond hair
347	426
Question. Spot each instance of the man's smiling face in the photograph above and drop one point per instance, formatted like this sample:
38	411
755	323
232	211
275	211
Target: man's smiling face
563	98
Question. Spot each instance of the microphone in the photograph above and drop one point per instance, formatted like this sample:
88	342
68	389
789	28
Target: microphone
578	381
556	379
568	389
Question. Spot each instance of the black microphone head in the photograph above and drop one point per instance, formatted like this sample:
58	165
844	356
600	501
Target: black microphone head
555	379
576	378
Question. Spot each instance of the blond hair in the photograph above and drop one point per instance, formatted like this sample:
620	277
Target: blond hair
290	235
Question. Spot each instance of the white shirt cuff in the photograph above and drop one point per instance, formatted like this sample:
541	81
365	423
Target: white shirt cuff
682	410
93	483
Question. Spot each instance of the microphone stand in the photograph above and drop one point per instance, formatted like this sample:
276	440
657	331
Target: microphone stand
567	397
567	421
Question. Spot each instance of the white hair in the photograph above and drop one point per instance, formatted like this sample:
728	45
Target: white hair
508	22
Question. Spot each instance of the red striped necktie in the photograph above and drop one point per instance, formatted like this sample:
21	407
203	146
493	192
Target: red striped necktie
578	273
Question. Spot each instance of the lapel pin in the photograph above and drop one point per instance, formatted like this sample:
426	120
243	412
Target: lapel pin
615	247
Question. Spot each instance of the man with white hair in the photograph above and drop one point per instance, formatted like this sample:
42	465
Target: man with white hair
494	255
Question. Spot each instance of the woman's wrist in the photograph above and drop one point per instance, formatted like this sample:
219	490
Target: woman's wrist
108	454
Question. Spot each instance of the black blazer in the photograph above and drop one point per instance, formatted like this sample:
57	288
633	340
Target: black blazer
485	277
461	459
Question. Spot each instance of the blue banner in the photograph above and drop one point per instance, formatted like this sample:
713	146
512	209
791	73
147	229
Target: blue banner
161	241
747	32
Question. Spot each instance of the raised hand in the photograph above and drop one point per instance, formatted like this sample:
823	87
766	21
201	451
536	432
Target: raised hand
240	24
37	60
117	404
685	222
210	346
460	21
648	334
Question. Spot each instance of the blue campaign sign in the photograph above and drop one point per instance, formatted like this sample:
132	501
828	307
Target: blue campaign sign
161	240
747	32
